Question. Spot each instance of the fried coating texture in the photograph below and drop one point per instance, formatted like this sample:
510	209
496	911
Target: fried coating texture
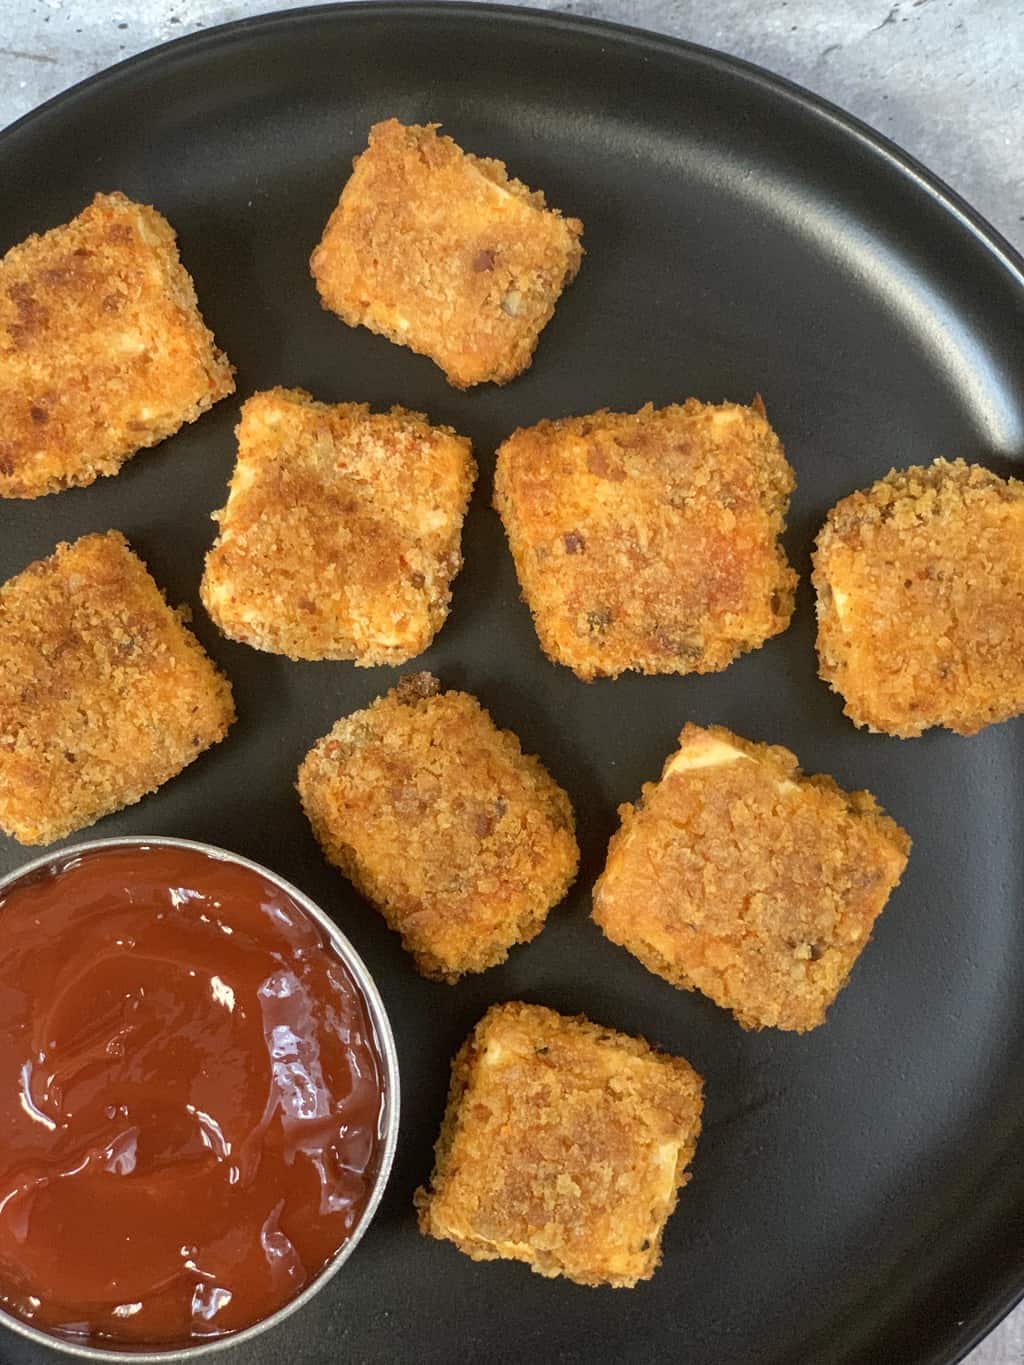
564	1145
340	538
461	841
104	694
102	348
649	540
737	876
441	251
920	583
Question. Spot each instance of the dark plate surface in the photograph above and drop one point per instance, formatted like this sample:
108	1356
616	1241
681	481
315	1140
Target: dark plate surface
858	1194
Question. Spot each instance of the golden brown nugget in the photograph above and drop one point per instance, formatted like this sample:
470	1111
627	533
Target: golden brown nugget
340	538
102	348
737	876
564	1145
441	251
461	841
104	694
920	583
649	540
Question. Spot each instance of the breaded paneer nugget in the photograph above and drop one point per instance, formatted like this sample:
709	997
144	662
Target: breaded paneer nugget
920	583
102	348
564	1145
460	840
737	876
441	251
649	540
340	538
104	694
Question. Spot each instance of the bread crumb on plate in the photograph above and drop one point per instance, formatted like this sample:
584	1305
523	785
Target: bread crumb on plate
102	348
920	583
737	876
649	540
443	252
104	694
564	1145
460	840
341	534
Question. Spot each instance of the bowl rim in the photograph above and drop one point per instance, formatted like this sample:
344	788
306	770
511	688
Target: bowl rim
391	1096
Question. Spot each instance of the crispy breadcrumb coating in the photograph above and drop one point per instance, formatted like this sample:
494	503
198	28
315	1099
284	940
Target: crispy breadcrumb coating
443	252
104	694
737	876
102	348
340	538
461	841
649	540
920	582
564	1145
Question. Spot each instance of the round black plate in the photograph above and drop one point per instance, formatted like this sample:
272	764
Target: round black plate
858	1193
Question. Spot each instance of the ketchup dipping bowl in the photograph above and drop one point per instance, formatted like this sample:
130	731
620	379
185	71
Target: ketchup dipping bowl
198	1099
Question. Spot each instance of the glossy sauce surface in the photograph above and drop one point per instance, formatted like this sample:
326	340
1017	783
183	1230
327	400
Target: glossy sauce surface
191	1097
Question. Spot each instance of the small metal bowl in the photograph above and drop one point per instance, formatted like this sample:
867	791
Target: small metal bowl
391	1096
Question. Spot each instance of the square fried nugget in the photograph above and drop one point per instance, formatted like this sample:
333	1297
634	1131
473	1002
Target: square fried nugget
460	840
102	348
736	876
443	252
104	694
340	538
649	540
920	583
564	1145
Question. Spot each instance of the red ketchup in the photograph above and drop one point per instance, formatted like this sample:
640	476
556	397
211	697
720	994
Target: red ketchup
191	1098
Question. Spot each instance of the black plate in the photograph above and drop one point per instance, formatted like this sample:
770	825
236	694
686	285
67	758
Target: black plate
858	1193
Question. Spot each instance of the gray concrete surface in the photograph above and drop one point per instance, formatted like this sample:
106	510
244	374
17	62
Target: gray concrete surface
943	78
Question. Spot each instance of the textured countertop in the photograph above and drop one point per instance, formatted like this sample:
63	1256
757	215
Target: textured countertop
943	78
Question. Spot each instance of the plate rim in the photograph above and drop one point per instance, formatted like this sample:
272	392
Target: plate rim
1008	1289
828	112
